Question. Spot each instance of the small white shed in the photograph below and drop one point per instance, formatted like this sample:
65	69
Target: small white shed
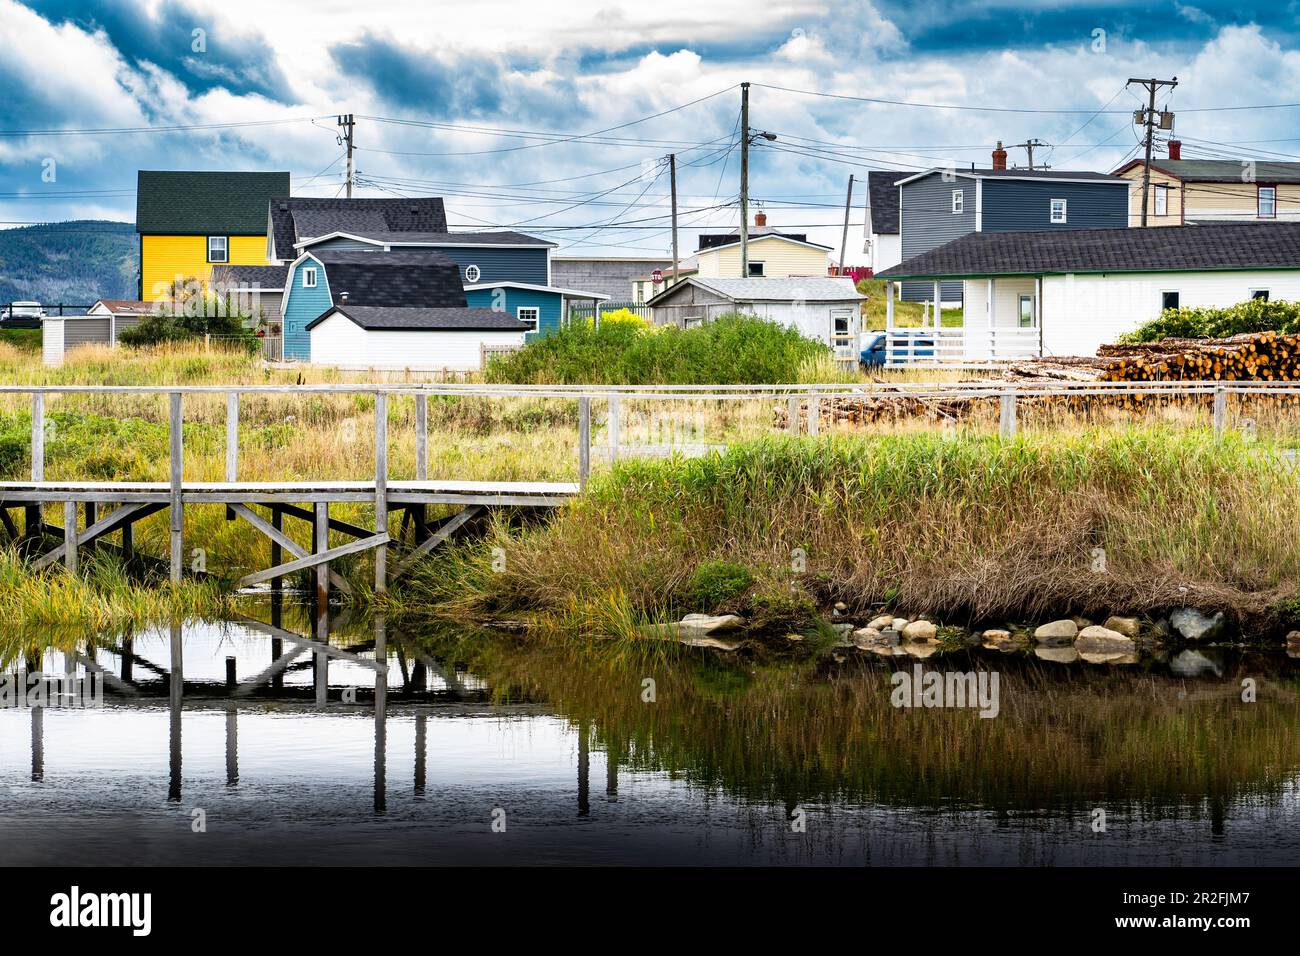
433	339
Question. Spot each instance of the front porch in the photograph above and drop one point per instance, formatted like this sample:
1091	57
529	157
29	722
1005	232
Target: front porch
1001	321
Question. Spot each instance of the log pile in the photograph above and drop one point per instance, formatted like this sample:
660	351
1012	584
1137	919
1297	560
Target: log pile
1251	357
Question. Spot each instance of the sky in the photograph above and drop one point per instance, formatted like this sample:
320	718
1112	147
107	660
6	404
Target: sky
556	118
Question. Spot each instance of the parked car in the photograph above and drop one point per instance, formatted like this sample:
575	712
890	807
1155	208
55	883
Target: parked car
22	315
909	345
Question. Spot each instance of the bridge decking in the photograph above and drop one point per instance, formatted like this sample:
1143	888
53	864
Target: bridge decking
401	492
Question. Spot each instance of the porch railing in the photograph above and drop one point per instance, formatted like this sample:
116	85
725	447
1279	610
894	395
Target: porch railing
950	346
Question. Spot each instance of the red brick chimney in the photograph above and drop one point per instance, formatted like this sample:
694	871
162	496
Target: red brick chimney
760	219
999	157
1175	149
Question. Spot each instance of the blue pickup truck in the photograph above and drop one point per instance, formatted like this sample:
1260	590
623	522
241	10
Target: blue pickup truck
909	345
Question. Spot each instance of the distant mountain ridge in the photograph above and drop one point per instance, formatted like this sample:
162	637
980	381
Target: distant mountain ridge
74	262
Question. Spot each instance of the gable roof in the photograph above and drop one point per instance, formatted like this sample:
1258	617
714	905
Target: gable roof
205	203
795	289
380	319
1243	246
734	240
503	237
1222	170
345	215
882	196
253	277
124	306
712	240
405	278
1059	175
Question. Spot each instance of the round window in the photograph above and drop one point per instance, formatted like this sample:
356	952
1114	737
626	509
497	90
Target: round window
472	274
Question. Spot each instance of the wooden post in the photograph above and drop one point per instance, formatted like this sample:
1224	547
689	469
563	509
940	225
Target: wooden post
70	536
889	306
232	436
33	512
177	470
1220	411
938	308
814	413
584	441
615	438
421	459
381	489
1007	421
322	544
231	673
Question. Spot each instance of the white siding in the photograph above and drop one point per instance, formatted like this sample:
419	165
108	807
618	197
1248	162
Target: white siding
340	341
813	319
52	341
886	251
1081	312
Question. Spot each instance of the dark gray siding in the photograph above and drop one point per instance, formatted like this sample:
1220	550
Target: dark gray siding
1020	204
926	221
92	330
612	277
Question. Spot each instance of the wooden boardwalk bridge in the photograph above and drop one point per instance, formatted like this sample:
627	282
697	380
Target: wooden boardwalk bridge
93	510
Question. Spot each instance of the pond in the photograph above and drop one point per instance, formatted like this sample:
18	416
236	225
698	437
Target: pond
243	742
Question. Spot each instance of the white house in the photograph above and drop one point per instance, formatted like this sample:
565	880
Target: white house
426	339
822	308
1066	293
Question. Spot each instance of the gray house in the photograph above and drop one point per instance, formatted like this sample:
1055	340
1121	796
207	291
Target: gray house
940	205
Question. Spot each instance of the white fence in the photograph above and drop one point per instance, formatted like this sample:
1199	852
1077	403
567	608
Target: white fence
959	346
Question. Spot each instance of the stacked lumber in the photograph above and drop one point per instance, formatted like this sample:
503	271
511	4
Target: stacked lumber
1251	357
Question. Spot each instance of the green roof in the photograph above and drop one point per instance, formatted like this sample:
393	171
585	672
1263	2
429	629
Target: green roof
205	203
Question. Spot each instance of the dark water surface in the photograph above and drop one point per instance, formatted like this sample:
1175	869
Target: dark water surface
736	759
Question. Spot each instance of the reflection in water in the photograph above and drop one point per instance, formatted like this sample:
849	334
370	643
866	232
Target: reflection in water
738	760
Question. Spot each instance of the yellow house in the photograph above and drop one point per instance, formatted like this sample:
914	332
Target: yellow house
1185	191
189	222
772	254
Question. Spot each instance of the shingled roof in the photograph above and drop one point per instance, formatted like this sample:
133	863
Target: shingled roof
1238	247
253	277
401	278
205	203
296	218
883	196
426	320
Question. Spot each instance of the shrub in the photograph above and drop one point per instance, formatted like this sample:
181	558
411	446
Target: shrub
732	349
716	582
1254	315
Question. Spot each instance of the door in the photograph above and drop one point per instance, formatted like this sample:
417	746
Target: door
843	335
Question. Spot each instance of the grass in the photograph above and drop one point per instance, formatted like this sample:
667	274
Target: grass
906	314
962	525
26	340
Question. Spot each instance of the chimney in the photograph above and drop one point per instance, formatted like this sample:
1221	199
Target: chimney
1175	149
760	220
999	157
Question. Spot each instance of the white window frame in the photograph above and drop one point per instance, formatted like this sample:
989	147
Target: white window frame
1272	202
1161	201
761	273
1165	292
473	273
309	277
536	318
1065	212
225	249
958	201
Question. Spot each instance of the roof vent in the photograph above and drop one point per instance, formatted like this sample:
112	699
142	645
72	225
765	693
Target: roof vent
284	207
414	210
343	298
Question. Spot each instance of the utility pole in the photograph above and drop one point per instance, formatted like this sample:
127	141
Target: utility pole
744	180
1028	147
1147	117
348	124
844	236
672	180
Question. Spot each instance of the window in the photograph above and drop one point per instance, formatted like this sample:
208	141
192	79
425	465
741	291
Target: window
1168	300
472	273
1058	210
530	314
1267	202
756	270
958	200
218	250
1162	200
1261	294
309	278
1026	311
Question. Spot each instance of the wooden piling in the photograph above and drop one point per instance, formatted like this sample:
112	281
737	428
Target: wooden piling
70	536
584	441
176	506
381	490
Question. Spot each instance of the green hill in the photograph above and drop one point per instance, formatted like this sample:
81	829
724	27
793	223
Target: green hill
74	262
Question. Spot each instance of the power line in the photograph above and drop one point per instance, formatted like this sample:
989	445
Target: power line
98	131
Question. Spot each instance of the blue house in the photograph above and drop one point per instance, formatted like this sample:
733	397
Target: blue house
940	205
542	306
